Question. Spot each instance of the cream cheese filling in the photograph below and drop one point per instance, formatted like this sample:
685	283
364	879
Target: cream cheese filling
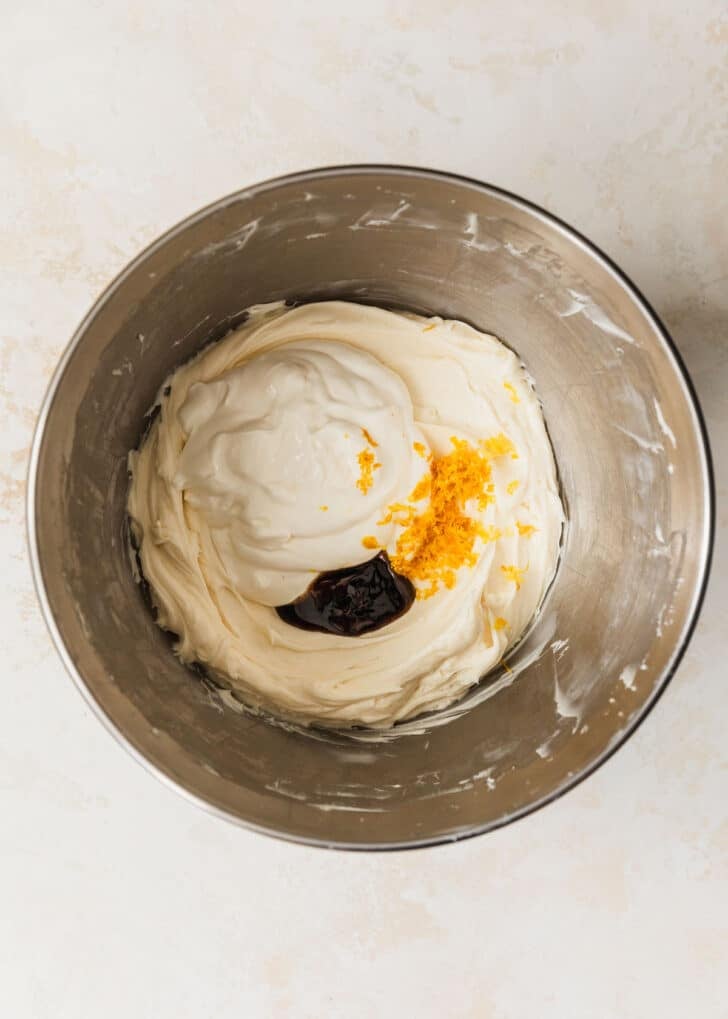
276	455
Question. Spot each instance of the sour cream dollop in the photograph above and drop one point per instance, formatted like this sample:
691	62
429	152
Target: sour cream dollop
275	460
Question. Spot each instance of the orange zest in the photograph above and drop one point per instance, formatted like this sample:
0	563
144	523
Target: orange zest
439	539
367	466
499	445
514	573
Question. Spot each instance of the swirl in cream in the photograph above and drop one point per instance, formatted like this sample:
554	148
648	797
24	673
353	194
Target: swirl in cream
271	463
303	441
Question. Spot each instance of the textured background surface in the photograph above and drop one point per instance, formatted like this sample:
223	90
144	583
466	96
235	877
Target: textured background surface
116	897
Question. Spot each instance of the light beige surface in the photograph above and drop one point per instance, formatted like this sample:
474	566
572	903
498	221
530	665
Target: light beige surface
117	897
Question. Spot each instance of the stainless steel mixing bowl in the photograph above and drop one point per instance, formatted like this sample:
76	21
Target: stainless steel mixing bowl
629	442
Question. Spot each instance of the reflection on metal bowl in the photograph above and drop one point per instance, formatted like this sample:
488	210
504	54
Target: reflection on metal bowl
634	468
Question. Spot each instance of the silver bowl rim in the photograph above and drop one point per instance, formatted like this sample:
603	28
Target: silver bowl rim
306	177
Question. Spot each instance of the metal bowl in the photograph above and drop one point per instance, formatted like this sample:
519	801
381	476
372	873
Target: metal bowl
629	441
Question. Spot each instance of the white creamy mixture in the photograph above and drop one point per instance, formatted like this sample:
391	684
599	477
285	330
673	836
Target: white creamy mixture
294	446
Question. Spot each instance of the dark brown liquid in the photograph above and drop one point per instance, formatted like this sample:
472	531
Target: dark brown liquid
352	601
